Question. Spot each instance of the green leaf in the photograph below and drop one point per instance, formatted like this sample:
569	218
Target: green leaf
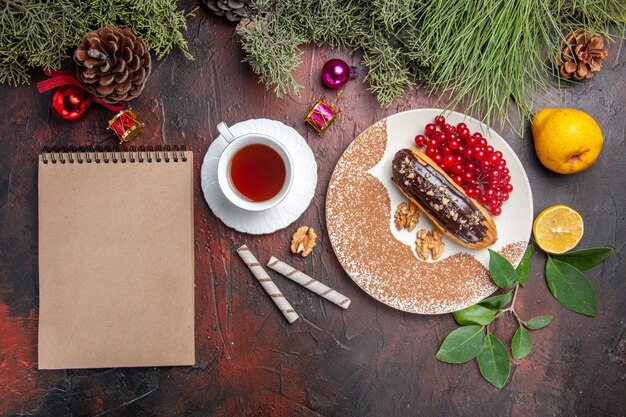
521	343
570	287
585	258
493	361
538	322
475	314
497	301
501	270
523	269
462	345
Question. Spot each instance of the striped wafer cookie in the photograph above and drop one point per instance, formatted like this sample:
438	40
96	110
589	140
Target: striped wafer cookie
268	285
309	283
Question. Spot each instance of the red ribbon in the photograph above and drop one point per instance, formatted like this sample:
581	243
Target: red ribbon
59	78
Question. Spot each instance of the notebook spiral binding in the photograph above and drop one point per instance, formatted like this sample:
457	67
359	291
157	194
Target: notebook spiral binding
109	154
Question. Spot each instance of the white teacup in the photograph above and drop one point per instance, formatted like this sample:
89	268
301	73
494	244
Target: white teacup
235	144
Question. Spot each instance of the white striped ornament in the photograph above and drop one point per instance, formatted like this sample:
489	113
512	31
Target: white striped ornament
268	285
309	283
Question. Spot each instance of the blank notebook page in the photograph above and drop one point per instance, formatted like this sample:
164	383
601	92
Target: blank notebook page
116	283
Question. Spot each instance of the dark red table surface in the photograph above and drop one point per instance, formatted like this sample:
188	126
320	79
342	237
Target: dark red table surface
369	360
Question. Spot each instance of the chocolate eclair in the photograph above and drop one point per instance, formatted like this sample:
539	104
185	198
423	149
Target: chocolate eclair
461	218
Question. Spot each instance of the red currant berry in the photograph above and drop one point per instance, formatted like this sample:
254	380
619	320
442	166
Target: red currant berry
458	168
495	159
468	176
505	170
499	194
471	141
430	129
506	177
471	191
493	183
464	133
432	143
469	154
494	202
449	129
437	158
498	153
483	142
440	137
479	155
461	126
451	136
494	175
458	179
477	136
489	149
454	144
420	141
490	193
505	196
431	151
461	148
485	164
502	163
449	160
482	199
508	188
496	211
440	120
470	166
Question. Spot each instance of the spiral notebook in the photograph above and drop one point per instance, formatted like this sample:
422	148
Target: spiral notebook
116	283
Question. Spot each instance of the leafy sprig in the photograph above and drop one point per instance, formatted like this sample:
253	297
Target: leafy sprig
474	339
38	33
489	55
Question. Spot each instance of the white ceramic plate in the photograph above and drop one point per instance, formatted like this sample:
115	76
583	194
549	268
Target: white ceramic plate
284	213
385	263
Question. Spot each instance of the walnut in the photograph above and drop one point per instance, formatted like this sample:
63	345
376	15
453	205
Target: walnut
423	238
303	241
429	242
437	244
407	216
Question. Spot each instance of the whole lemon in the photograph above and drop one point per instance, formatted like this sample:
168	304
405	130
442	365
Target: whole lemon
566	140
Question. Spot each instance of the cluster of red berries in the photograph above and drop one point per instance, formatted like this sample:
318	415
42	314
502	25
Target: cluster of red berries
469	160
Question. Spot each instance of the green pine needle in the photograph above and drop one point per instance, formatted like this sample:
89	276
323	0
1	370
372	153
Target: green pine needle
492	55
40	33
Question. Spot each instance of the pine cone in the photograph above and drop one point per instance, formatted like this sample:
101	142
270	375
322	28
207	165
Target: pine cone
581	55
234	10
113	64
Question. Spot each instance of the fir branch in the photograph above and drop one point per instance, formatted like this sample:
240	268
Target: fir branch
489	54
36	33
277	46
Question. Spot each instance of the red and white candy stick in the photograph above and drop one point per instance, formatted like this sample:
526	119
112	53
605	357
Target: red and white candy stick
268	285
309	283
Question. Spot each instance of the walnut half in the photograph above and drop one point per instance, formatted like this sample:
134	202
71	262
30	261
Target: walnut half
428	243
407	216
303	241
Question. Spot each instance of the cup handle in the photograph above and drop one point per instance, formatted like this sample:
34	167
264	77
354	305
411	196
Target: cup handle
225	132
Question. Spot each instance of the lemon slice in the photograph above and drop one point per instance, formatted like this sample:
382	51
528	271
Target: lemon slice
558	229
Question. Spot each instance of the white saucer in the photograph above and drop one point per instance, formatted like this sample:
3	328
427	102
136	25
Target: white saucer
287	211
